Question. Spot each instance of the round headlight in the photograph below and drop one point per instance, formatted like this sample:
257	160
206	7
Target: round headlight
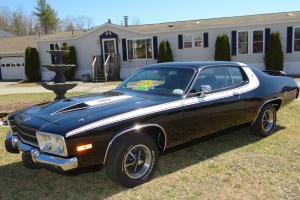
59	145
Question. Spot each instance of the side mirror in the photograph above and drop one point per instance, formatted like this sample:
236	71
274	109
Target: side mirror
206	88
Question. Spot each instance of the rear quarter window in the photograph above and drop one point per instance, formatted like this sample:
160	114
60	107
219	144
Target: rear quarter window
238	76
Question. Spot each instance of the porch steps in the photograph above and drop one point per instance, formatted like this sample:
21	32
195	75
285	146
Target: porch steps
100	77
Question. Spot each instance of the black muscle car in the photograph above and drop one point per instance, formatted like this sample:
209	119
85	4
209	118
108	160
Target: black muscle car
158	107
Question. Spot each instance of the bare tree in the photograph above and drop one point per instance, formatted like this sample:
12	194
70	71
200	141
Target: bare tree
67	24
76	23
5	15
135	21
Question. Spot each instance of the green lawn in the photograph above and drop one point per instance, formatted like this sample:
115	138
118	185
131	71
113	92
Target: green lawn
237	165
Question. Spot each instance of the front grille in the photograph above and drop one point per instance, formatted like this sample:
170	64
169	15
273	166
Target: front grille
26	134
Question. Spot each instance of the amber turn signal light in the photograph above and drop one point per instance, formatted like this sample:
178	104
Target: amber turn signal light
84	147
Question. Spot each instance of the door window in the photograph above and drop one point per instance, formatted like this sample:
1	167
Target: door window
109	48
217	78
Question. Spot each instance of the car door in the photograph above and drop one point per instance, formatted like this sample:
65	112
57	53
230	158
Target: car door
213	103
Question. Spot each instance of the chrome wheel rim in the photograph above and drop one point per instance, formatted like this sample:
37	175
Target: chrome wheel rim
137	161
267	120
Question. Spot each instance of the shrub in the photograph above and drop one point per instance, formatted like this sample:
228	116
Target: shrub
274	56
70	58
222	48
165	52
32	64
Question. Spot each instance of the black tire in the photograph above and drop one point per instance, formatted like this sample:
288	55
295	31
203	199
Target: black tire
258	127
9	147
118	155
28	162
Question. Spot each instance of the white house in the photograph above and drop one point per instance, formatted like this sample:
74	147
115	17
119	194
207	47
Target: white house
12	56
137	45
12	53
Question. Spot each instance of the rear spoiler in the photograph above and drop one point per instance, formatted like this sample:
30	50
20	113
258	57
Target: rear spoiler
275	73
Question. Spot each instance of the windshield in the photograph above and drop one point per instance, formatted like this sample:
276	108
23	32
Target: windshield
168	80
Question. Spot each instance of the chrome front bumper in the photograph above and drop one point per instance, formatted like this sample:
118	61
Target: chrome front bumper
39	157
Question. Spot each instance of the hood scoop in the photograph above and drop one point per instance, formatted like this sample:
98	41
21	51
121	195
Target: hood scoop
73	108
92	103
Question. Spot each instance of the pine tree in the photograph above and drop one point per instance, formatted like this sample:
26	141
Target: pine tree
32	64
70	58
165	52
47	16
222	48
274	56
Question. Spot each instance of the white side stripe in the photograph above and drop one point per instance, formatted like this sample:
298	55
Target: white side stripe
253	84
128	115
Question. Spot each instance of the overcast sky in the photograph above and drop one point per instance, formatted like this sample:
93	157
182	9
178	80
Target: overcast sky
154	11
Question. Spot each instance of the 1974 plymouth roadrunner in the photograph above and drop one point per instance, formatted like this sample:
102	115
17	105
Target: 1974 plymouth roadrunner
158	107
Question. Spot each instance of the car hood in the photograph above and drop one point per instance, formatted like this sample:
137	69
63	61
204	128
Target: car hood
78	111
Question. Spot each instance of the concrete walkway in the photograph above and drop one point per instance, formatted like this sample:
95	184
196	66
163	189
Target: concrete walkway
15	88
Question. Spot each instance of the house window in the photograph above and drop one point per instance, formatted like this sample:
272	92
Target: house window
187	41
243	42
297	39
2	65
198	40
258	41
140	49
7	65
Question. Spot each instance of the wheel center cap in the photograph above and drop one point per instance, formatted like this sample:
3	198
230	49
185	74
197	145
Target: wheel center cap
139	162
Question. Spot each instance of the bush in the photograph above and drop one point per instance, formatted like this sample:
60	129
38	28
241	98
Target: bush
165	52
274	56
70	58
222	48
32	64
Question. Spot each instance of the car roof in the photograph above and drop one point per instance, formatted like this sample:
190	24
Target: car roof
195	64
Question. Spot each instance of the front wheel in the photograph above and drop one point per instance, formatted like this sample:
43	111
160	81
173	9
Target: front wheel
132	159
265	123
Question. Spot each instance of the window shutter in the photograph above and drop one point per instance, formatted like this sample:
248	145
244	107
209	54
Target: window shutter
155	47
233	43
180	42
124	49
267	37
289	40
0	73
205	35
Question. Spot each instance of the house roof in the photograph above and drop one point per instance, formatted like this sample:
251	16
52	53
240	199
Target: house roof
259	19
220	22
16	45
62	35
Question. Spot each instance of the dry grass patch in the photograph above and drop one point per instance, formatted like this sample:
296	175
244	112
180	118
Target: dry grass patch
14	102
236	165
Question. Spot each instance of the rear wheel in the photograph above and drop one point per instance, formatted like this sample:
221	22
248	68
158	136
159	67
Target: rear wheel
132	159
265	123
